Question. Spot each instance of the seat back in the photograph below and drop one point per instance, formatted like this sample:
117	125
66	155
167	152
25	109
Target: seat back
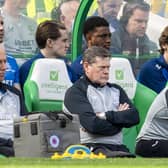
121	73
46	85
142	100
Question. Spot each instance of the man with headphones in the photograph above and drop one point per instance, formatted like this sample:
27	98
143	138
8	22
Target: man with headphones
130	39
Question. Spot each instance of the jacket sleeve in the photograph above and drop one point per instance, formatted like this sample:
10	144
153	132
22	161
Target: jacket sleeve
76	102
126	118
116	39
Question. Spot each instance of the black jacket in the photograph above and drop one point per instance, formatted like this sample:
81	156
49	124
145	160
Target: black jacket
76	101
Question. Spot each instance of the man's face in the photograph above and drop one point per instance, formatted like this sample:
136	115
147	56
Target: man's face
2	64
137	23
110	8
100	37
1	29
98	72
69	10
61	45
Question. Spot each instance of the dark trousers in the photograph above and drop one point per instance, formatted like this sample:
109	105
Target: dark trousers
6	147
109	150
152	148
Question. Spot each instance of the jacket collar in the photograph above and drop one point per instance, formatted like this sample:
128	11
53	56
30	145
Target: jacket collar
161	61
94	84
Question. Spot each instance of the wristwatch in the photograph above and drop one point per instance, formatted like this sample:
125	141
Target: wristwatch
102	115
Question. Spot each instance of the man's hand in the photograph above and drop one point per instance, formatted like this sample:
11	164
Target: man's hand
123	107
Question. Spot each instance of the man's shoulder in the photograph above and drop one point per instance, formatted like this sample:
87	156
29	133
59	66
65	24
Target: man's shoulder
28	20
78	60
29	62
81	84
150	64
10	88
114	86
12	61
119	31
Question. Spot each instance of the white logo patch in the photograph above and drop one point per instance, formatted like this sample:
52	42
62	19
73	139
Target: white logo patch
54	141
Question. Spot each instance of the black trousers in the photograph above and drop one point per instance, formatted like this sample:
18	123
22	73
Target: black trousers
110	150
6	147
152	148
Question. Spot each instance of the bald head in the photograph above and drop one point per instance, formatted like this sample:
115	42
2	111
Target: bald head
2	62
68	13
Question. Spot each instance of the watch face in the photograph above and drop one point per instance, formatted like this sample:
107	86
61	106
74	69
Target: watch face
101	115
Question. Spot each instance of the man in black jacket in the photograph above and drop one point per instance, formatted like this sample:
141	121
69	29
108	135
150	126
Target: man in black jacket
11	106
103	108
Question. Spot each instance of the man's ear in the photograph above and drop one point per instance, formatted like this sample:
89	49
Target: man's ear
62	18
88	39
165	47
85	65
49	43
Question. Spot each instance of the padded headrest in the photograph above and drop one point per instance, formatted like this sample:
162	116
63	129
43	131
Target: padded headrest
121	73
51	77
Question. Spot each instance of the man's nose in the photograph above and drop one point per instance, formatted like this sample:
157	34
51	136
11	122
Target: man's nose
106	70
144	24
67	44
1	27
108	39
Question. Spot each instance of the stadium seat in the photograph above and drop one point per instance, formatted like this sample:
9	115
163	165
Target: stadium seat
121	73
46	85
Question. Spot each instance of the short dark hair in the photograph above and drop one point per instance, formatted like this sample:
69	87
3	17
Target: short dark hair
91	53
48	29
129	9
163	39
93	22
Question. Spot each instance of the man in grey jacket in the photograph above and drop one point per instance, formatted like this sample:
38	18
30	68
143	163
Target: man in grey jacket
103	108
152	140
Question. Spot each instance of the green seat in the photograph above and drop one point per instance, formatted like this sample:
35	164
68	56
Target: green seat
129	137
46	85
2	156
141	96
142	100
120	74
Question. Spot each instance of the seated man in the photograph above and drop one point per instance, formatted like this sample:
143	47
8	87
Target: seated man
103	108
154	73
19	37
65	13
12	70
11	106
97	33
152	140
52	39
109	10
131	39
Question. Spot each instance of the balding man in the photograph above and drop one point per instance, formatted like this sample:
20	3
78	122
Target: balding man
11	106
66	12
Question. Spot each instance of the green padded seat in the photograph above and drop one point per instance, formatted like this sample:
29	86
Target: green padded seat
46	85
142	100
122	74
142	97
